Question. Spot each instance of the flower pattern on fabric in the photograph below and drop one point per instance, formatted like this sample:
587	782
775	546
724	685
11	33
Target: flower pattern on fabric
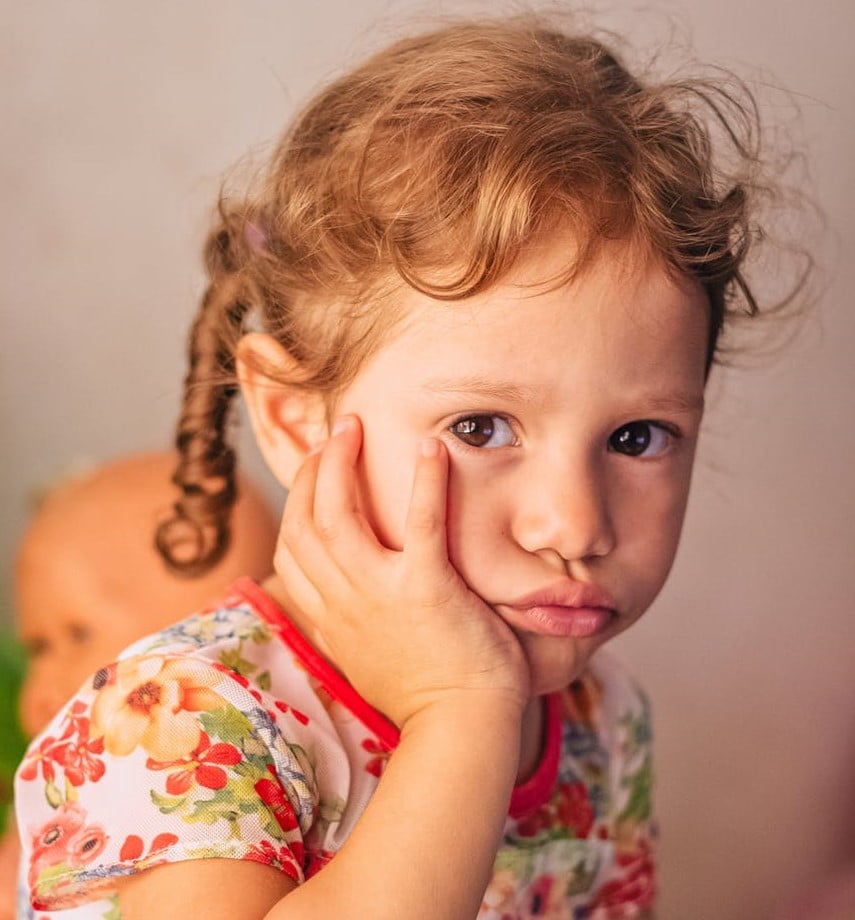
150	702
222	736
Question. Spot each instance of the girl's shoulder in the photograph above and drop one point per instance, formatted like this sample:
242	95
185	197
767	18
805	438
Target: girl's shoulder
236	617
188	745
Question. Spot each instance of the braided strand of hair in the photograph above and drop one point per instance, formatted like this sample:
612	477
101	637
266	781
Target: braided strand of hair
197	534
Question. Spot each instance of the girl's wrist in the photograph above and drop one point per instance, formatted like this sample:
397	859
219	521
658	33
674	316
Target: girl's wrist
490	715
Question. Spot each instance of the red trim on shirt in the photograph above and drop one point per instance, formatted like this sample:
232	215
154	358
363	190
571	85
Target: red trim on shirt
526	797
315	663
536	790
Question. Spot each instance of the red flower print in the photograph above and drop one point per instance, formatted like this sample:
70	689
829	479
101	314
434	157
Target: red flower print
531	825
636	886
74	751
570	810
270	792
203	766
377	764
539	895
132	848
574	808
80	760
39	757
317	860
282	859
302	718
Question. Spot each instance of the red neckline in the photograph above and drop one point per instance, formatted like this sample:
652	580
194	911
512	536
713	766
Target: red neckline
315	663
526	796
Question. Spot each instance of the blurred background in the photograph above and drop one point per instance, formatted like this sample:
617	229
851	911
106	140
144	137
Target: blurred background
118	122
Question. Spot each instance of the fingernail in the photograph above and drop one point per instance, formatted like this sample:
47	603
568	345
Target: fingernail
341	425
429	447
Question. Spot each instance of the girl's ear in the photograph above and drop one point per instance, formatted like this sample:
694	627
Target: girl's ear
287	421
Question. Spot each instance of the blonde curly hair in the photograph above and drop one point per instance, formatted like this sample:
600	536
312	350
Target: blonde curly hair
434	164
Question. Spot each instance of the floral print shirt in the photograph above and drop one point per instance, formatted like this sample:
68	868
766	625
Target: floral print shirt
227	735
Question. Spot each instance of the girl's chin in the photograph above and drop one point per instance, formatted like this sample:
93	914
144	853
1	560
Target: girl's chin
555	664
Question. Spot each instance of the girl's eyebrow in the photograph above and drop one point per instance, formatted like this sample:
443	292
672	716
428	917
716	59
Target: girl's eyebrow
508	391
675	402
488	387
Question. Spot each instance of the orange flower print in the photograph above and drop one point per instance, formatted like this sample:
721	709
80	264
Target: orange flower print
151	704
203	766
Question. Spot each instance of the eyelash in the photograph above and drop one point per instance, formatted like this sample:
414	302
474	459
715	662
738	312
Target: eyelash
671	434
480	417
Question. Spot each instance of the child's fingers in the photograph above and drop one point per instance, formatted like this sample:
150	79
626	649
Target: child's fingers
337	517
425	540
300	546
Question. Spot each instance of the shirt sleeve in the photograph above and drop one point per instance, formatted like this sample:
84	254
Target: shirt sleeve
162	758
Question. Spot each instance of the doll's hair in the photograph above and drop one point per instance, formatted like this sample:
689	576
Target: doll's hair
434	164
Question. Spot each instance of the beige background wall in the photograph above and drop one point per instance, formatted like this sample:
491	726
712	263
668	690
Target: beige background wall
117	120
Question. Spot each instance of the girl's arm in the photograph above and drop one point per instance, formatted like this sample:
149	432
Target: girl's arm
430	654
423	849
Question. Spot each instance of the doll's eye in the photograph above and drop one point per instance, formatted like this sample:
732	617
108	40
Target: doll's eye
78	633
483	431
641	439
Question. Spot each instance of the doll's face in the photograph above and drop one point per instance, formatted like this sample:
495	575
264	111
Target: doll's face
570	417
69	629
89	581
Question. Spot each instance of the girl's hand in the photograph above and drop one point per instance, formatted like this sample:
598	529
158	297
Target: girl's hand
402	625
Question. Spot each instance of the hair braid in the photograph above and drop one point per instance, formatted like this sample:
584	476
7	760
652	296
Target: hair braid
197	534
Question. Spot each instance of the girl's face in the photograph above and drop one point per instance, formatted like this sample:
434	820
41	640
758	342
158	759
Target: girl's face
570	417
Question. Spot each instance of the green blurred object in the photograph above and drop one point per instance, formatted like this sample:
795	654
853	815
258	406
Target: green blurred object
12	740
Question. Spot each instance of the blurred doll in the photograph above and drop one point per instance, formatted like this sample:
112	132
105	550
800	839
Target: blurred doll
89	581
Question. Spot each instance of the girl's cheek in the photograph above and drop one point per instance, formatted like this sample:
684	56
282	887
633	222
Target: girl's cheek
473	514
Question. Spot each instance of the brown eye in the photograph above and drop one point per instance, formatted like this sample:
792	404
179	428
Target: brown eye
483	431
638	439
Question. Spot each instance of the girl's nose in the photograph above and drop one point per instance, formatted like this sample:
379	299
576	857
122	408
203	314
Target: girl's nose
566	512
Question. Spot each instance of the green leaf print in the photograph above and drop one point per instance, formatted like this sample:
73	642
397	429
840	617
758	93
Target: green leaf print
168	803
640	785
264	680
233	660
229	724
53	795
50	877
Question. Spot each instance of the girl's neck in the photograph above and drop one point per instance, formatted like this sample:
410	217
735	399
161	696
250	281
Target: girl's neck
533	722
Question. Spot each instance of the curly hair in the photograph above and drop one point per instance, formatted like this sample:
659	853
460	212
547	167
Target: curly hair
434	164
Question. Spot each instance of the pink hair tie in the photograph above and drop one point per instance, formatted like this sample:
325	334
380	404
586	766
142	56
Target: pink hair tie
255	237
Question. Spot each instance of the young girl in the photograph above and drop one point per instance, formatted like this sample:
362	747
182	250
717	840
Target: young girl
488	271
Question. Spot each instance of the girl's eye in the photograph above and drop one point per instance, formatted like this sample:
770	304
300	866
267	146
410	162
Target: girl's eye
640	439
483	431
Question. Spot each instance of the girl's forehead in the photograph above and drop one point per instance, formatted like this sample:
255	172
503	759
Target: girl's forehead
621	309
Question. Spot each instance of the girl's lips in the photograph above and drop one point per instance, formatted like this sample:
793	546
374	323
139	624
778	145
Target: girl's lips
559	620
567	608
